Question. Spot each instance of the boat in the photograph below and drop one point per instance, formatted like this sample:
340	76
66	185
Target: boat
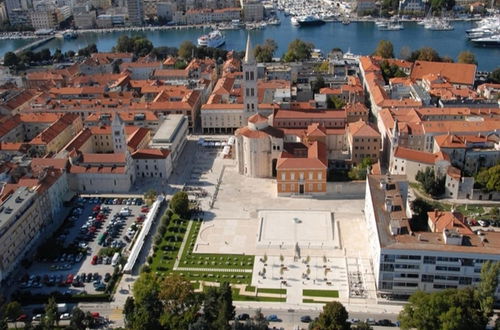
488	41
346	21
294	21
310	20
439	25
70	34
214	39
237	24
391	26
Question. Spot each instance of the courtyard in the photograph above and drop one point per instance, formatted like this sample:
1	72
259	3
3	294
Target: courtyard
303	250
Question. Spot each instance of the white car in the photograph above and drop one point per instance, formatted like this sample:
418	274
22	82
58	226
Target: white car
37	317
65	316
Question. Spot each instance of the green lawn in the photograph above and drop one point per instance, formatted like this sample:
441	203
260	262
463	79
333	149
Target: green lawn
250	288
310	301
237	296
321	293
277	291
164	258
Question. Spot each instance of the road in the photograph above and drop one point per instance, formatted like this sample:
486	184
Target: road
290	319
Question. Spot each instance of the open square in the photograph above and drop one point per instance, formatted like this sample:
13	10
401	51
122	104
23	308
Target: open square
289	229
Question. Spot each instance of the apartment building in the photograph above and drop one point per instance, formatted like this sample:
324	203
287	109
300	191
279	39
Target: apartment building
21	219
447	255
364	142
135	12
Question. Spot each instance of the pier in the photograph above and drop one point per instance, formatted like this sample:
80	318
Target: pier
34	44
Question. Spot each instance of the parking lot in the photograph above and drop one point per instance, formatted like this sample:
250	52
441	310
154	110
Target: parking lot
82	255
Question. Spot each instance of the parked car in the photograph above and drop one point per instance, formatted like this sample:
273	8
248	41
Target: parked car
243	317
385	323
107	277
272	318
305	319
65	316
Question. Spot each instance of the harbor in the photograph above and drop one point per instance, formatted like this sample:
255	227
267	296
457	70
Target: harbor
360	37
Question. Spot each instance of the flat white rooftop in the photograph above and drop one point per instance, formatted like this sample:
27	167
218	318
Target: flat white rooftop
284	229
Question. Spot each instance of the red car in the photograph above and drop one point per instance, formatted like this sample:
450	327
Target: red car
145	210
96	208
94	260
22	318
69	279
140	218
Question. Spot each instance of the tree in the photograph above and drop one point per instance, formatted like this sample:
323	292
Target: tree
425	54
333	317
298	50
51	313
129	310
58	56
180	303
186	50
180	203
448	309
138	45
489	178
334	102
487	286
10	59
384	49
466	57
317	84
390	71
362	326
116	65
12	310
494	76
77	318
148	306
359	171
432	184
405	53
265	52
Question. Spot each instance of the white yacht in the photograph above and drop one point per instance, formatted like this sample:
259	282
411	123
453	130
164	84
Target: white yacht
214	39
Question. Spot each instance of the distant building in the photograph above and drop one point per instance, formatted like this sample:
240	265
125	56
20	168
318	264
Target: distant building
44	19
135	12
253	10
172	135
85	20
412	6
365	7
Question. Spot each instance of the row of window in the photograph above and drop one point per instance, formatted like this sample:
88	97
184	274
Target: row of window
310	186
367	140
301	175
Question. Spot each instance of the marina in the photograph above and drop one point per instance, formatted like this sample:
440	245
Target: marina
361	37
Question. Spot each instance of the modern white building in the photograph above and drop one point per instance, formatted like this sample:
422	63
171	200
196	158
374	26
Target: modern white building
172	135
404	261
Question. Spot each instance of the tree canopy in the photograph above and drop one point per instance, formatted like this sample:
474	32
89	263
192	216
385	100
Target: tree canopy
494	76
265	52
359	171
432	184
333	317
186	49
448	309
425	54
384	49
138	45
489	178
171	303
298	50
467	57
180	203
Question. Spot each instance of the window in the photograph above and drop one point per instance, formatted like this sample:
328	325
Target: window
301	176
283	176
310	175
320	176
292	176
283	187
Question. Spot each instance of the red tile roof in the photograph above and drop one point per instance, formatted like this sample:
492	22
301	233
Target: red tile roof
150	153
419	156
456	73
